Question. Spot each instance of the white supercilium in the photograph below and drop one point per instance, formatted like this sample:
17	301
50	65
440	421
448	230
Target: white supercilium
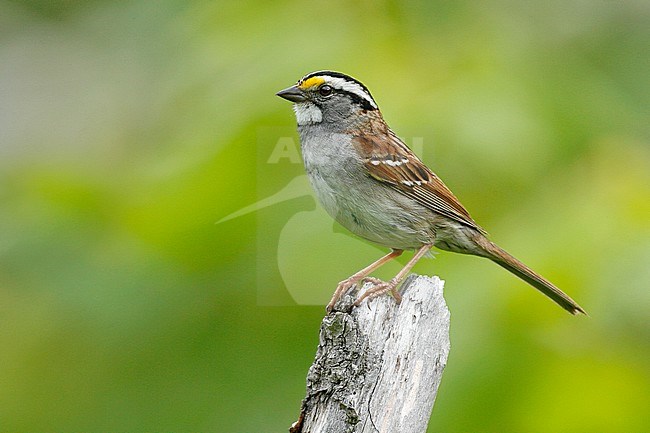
350	86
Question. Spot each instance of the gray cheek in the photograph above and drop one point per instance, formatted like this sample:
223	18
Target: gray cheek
338	113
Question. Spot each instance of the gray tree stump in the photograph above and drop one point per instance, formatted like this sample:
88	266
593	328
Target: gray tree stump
378	366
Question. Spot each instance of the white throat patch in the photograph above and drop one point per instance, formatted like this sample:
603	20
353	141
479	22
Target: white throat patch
307	113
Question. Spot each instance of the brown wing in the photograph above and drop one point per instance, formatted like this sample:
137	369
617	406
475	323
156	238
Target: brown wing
389	160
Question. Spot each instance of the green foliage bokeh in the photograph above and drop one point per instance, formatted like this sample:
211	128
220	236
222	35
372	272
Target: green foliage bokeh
128	129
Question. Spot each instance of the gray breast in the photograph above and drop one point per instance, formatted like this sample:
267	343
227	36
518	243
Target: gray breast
358	202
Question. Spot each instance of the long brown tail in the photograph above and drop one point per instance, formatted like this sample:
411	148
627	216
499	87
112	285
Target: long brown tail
505	260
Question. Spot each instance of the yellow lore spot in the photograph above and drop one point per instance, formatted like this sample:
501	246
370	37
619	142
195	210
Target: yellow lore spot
311	82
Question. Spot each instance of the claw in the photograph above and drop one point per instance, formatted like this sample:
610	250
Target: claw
379	289
373	280
343	287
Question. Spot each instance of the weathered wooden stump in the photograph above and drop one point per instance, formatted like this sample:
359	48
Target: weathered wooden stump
379	365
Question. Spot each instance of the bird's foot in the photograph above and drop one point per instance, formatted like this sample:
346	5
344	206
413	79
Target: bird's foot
374	281
341	289
379	288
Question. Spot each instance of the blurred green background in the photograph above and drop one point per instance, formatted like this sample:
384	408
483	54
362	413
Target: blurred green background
129	128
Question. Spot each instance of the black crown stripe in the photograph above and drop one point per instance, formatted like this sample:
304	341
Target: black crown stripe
337	75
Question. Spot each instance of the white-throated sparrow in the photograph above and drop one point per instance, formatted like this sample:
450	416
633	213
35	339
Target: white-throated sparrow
369	181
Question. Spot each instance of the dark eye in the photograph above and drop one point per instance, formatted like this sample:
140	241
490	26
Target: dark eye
325	90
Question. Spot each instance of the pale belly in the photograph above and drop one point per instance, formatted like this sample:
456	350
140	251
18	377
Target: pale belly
378	213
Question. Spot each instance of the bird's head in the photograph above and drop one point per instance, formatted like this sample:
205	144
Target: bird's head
327	96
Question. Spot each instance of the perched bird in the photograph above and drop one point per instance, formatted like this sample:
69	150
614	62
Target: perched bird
369	181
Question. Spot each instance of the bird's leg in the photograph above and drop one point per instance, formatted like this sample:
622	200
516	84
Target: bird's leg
391	285
363	273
